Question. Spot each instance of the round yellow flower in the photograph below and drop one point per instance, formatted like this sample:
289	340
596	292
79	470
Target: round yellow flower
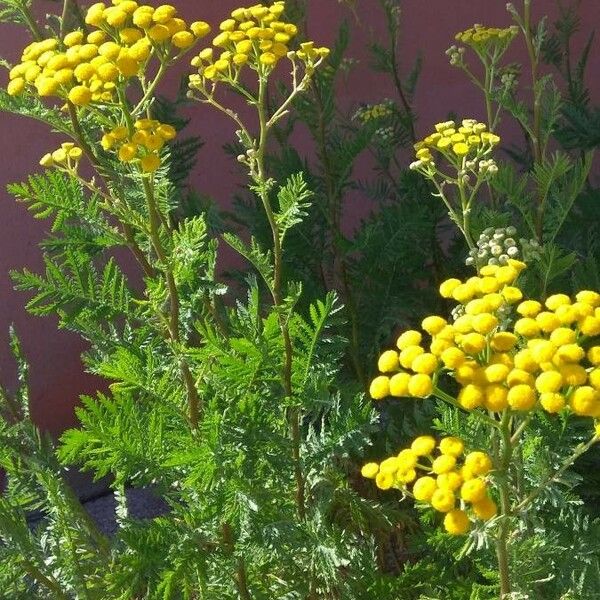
398	385
388	361
527	327
521	397
473	490
573	374
380	387
424	488
443	464
588	297
549	381
452	446
448	286
456	522
496	373
485	509
503	341
485	323
479	463
409	338
407	459
453	357
370	470
593	355
590	326
552	402
473	343
80	95
389	465
420	386
496	397
443	500
433	324
471	396
423	445
408	355
548	321
585	401
512	294
451	480
556	300
425	363
384	481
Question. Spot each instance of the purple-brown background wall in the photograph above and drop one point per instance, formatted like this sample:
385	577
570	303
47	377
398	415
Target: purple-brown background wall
428	27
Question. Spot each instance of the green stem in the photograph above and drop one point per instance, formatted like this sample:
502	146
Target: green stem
393	33
91	156
193	399
466	214
294	413
150	90
50	584
505	512
194	404
34	28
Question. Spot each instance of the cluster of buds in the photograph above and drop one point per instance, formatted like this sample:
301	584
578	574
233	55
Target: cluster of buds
87	68
66	157
141	146
442	476
456	55
495	246
254	36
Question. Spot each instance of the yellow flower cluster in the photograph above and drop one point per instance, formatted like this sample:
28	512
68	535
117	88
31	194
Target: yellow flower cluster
440	479
255	36
67	156
87	68
543	357
143	144
479	36
469	141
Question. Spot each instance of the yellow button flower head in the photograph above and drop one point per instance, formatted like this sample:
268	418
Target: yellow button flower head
380	388
451	480
443	500
388	362
456	522
443	464
384	481
473	490
420	385
485	509
370	470
423	445
424	488
479	463
398	384
452	446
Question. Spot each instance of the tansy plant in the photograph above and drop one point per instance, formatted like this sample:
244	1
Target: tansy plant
227	407
501	361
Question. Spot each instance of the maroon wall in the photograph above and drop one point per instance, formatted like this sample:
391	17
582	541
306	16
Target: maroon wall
429	27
